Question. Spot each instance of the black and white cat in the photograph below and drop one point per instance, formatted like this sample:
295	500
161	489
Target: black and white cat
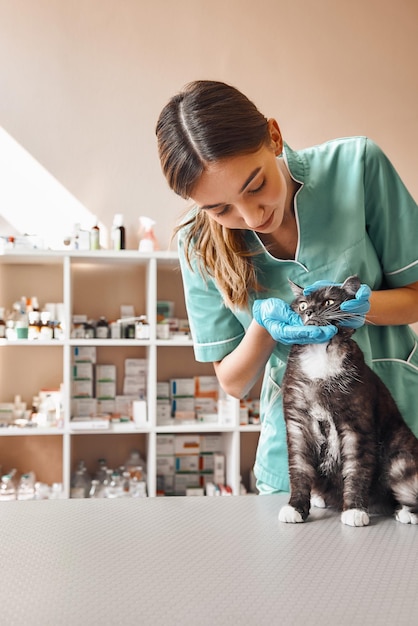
348	444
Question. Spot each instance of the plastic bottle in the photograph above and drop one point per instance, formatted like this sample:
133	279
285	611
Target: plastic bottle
115	487
96	489
26	487
7	488
148	241
80	482
118	232
46	330
142	329
34	327
95	237
2	324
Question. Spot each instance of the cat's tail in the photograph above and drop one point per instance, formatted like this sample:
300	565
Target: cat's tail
403	481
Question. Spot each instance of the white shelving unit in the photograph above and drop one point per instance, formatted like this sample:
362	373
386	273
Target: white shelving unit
86	281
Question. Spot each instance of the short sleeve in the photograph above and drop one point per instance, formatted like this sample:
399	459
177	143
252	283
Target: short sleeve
391	218
215	329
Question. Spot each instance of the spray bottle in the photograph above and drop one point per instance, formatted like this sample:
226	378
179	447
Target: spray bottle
148	241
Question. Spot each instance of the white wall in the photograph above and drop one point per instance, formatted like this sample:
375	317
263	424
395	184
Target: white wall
82	83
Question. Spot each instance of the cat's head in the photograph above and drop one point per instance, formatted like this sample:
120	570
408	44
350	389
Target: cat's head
322	307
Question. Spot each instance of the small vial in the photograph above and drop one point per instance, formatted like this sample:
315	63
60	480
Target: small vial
102	329
142	330
95	237
2	324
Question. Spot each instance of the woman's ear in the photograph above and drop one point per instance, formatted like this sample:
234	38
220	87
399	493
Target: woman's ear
276	136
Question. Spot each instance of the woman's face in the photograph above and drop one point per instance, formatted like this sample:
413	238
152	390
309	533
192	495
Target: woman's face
246	192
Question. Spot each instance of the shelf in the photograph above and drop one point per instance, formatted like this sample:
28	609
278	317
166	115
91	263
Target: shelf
97	283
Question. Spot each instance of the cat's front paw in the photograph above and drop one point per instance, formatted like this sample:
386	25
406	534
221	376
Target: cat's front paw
290	515
355	517
405	516
318	501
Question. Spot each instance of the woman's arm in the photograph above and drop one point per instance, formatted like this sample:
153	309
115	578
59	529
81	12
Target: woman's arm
240	369
393	307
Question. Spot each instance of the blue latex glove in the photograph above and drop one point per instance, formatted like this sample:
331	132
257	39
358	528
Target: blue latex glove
285	325
356	308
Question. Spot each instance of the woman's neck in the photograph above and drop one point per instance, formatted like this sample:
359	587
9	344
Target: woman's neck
283	242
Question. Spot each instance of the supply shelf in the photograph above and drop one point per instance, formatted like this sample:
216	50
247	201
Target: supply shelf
98	283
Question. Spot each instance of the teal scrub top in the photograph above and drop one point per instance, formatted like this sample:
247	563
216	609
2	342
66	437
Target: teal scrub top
354	216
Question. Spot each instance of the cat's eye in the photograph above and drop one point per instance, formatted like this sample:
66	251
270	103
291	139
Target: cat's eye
329	302
303	306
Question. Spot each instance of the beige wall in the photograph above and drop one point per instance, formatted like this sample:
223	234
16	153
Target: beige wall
82	83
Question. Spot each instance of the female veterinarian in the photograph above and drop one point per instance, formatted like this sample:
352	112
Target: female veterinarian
264	213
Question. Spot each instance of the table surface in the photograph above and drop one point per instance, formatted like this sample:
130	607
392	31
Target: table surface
205	561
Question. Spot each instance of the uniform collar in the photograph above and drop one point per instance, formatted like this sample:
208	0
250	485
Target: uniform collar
296	166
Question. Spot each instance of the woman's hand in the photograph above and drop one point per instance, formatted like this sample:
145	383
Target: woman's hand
285	326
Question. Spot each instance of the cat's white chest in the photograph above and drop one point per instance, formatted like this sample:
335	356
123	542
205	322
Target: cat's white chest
321	361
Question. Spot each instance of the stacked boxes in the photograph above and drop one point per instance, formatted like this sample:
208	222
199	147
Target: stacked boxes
135	379
94	388
182	399
187	463
164	416
187	400
206	398
83	402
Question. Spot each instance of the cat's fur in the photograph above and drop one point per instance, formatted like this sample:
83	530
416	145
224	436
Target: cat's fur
348	444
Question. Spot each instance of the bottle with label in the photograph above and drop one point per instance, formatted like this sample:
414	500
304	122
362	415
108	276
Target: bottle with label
80	482
2	324
34	327
26	487
95	237
142	330
89	330
46	330
102	329
118	232
7	488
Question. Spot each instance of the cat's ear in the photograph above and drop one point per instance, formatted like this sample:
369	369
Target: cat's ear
351	284
297	290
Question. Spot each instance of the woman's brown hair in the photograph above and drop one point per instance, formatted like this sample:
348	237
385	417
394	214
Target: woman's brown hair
206	122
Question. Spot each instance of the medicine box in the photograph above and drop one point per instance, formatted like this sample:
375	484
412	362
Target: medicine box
206	406
165	309
105	390
83	371
206	387
123	404
181	387
163	390
105	373
134	386
188	463
165	465
186	444
82	389
106	407
136	367
182	482
219	468
165	445
164	412
206	463
183	405
84	353
210	443
84	407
